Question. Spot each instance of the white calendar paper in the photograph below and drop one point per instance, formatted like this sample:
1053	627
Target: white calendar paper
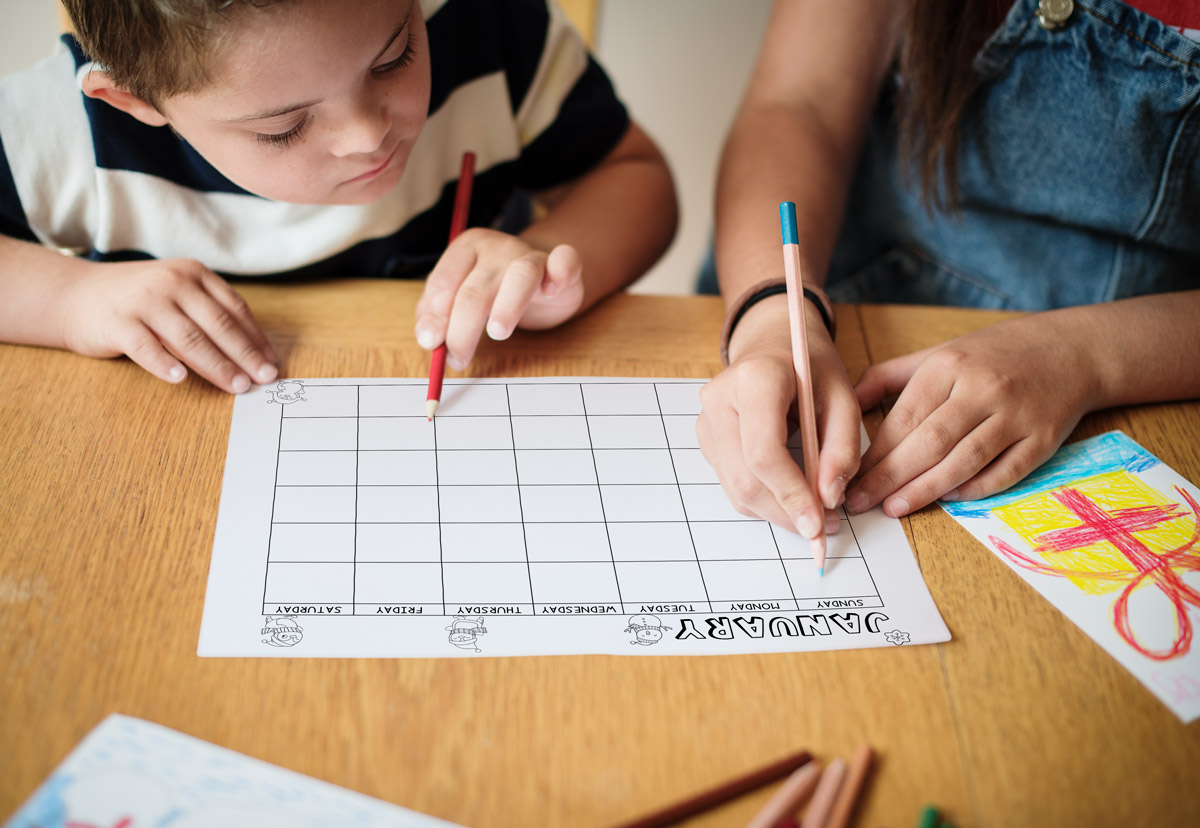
532	516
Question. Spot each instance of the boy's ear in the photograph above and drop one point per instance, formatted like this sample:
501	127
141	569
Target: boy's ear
97	84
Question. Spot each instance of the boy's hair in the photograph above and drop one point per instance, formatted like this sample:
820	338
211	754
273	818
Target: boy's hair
154	48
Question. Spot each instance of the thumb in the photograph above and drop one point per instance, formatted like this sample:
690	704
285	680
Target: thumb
888	378
563	269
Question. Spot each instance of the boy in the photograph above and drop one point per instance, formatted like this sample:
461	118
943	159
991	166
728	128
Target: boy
312	138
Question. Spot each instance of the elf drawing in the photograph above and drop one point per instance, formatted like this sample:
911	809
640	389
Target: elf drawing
646	629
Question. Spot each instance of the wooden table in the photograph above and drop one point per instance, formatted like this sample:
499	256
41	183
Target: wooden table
111	483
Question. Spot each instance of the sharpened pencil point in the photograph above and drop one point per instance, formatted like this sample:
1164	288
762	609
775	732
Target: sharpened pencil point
430	409
821	572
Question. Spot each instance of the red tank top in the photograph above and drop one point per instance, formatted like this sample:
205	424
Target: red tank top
1181	15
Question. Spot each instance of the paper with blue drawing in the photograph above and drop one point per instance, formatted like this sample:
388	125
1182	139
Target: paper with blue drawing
130	773
1109	534
532	516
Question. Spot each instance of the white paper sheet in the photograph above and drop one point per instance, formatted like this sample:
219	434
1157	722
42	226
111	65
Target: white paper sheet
1108	533
130	773
531	517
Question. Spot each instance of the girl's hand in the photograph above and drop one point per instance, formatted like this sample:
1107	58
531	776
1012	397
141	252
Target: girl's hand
749	409
487	279
973	415
164	315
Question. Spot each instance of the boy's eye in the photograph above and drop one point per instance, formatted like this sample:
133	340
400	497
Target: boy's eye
406	57
284	139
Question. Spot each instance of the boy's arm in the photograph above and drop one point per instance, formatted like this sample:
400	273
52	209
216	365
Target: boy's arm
602	231
162	314
620	217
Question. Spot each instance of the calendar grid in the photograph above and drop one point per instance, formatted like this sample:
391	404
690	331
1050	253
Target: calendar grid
524	498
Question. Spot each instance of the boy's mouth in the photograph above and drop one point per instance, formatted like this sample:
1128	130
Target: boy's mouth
369	174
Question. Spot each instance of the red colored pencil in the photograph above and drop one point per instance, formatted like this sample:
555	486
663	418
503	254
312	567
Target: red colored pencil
726	791
458	223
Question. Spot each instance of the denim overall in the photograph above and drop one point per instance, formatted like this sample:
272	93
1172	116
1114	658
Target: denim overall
1079	175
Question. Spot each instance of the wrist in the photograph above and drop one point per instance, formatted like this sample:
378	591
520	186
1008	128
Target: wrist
814	299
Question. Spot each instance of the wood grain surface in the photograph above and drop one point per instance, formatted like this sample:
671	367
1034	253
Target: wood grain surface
111	483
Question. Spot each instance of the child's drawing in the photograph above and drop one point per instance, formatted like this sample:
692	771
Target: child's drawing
1122	529
130	773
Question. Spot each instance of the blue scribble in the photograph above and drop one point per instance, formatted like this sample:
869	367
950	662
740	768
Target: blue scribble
46	808
1096	455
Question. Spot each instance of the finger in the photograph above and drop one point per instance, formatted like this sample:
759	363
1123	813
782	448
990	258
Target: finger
225	330
141	345
563	269
763	430
913	406
472	305
887	379
521	280
441	286
839	426
185	339
971	454
720	442
1010	467
923	448
233	302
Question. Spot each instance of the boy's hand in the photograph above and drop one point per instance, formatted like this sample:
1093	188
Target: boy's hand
749	411
164	314
487	279
973	415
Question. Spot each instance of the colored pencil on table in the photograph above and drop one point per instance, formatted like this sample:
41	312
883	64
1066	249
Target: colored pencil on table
721	793
808	415
929	818
823	798
860	763
793	793
458	223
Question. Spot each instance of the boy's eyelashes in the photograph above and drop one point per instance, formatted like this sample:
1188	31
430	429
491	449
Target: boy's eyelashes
284	139
406	57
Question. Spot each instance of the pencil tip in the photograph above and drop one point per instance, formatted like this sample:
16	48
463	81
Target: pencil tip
821	572
431	407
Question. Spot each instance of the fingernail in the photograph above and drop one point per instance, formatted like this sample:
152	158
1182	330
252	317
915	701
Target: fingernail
952	495
266	373
240	383
898	506
833	494
496	331
858	501
426	339
807	527
832	524
176	374
455	363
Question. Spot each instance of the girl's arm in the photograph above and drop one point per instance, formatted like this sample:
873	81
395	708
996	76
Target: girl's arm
795	138
978	413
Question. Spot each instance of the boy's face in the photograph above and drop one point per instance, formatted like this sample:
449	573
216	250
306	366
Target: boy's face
313	102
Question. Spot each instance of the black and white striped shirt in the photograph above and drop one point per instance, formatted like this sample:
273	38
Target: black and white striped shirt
511	81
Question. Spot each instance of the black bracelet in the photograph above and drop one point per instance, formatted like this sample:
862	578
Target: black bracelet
772	290
771	287
752	300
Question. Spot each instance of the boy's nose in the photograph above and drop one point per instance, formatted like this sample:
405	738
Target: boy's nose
362	131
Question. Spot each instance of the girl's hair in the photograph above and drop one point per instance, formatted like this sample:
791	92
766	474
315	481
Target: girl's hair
153	48
937	67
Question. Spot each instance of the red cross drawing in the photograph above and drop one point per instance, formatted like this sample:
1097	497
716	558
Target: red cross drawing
1146	565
